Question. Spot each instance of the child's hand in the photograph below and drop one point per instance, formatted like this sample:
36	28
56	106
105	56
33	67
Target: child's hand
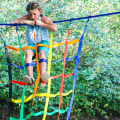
38	22
29	22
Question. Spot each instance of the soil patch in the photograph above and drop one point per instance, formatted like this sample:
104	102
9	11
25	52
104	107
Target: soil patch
16	114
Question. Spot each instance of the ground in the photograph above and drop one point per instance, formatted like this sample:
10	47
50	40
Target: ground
15	114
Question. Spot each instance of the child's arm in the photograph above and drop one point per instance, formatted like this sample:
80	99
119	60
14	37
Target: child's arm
46	23
24	20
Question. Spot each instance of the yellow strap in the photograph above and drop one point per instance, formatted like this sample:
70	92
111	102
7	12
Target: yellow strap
41	95
49	81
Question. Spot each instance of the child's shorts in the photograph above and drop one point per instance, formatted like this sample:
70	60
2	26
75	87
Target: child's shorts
40	48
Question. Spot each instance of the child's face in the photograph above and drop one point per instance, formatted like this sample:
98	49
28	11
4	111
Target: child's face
34	14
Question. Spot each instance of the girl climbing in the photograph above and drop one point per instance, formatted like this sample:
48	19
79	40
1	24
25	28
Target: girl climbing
41	24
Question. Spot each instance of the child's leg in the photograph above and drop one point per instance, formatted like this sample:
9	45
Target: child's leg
44	75
29	78
43	51
42	55
29	55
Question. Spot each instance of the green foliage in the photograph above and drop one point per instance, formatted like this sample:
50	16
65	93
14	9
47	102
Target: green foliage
97	89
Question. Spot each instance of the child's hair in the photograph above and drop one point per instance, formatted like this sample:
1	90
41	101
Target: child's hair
32	6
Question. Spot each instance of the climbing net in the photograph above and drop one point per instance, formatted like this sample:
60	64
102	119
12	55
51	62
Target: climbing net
49	61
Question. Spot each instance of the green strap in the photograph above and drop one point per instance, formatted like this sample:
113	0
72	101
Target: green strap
22	104
40	113
21	51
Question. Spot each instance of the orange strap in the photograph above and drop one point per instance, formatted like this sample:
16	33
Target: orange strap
54	45
38	73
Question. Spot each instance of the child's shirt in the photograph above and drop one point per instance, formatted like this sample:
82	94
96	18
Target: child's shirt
41	34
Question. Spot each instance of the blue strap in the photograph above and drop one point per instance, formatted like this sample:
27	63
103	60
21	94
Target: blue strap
94	16
42	60
12	24
30	64
87	17
75	71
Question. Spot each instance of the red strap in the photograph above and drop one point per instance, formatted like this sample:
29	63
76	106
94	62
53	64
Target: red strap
65	76
44	82
62	81
54	77
18	82
21	83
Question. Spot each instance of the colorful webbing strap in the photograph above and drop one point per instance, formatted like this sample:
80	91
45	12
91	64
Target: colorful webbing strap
43	81
38	72
94	16
21	51
62	81
53	77
75	70
76	19
40	95
22	105
47	46
41	113
42	60
10	79
49	81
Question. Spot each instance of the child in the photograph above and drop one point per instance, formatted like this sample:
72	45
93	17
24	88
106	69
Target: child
41	24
